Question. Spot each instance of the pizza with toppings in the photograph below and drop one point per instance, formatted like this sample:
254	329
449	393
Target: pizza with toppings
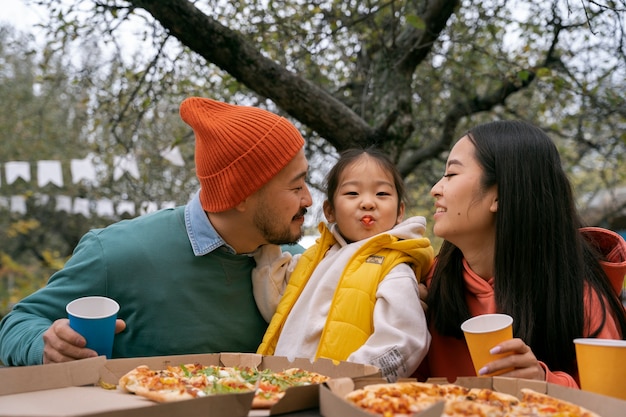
403	399
176	383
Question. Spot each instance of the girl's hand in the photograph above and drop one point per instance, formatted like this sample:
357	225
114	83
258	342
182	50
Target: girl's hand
522	360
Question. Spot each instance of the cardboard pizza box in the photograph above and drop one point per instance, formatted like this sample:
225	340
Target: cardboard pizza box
76	389
332	403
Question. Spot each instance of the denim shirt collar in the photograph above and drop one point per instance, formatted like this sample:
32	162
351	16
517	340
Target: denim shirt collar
202	235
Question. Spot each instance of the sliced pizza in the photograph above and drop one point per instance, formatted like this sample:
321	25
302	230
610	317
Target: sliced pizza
403	399
188	381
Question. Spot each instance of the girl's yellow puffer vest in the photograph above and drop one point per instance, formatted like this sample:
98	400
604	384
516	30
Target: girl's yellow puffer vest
350	320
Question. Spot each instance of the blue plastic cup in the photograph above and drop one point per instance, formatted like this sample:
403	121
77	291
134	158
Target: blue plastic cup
94	318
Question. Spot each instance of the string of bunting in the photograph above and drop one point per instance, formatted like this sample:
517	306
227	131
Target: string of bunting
85	170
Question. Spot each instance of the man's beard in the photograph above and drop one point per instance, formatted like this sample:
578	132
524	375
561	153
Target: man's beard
273	231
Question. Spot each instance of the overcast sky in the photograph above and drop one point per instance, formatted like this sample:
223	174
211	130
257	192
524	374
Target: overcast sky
19	15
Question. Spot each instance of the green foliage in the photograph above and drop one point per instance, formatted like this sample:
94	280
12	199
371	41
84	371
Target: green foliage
19	279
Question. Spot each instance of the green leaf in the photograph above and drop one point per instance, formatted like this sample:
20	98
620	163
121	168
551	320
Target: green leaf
523	75
544	72
416	21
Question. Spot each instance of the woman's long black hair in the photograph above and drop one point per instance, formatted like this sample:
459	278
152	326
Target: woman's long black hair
541	260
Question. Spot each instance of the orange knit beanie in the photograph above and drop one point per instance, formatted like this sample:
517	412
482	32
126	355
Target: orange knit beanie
238	149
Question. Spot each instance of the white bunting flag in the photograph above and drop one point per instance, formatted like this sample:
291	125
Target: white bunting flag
173	155
148	207
64	203
81	206
49	172
17	169
83	169
123	164
126	207
104	208
18	204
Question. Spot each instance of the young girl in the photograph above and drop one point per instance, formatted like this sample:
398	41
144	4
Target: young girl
513	244
353	294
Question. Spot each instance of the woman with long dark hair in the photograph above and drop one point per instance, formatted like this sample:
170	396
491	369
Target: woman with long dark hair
514	244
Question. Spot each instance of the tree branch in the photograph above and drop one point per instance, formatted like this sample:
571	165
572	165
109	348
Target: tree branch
225	48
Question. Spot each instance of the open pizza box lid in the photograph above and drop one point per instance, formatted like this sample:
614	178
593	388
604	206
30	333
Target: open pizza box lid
76	389
332	393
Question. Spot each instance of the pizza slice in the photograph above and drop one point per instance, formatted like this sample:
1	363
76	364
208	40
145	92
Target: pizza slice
300	376
271	386
546	405
488	396
397	399
156	385
470	408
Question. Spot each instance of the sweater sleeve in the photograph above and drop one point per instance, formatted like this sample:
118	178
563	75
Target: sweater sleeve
270	276
559	377
400	339
21	330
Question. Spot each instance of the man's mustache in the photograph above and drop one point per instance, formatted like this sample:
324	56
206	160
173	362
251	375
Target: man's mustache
301	213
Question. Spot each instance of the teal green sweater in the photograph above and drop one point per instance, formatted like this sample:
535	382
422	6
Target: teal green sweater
173	302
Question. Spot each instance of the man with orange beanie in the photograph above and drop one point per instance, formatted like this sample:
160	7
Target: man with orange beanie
181	276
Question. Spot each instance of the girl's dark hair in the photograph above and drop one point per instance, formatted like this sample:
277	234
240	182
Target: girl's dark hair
349	156
541	260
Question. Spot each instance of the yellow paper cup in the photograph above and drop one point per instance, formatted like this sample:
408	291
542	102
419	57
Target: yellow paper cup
484	332
602	366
